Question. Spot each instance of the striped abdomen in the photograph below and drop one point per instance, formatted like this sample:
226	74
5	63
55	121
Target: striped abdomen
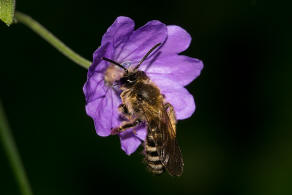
151	156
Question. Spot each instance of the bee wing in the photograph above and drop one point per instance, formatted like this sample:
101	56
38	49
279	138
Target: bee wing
164	135
170	152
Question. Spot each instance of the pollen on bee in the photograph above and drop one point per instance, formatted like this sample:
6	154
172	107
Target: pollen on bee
112	74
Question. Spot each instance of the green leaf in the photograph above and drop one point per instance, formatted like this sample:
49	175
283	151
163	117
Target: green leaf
7	11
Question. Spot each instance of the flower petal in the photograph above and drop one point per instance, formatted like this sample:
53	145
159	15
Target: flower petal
141	133
130	141
179	68
99	65
103	111
142	40
129	144
179	97
94	88
178	40
118	34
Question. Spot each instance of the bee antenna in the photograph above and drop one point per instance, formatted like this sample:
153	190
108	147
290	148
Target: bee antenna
115	63
147	54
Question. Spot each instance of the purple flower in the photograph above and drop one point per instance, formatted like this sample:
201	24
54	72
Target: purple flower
168	70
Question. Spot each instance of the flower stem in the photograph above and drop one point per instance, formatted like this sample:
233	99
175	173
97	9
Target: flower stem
49	37
10	148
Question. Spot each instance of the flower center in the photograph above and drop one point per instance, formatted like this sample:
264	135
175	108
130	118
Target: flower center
112	74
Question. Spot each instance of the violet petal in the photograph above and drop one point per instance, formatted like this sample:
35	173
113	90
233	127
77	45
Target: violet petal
130	141
104	112
178	40
142	40
95	88
99	65
179	68
118	34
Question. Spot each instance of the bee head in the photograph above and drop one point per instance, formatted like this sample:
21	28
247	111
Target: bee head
130	78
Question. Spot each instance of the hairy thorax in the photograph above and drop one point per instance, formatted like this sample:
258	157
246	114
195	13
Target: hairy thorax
143	96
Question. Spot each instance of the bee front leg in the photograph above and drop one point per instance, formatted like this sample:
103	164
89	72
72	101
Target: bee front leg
125	125
124	111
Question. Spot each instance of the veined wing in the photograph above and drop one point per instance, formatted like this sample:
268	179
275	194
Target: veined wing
162	129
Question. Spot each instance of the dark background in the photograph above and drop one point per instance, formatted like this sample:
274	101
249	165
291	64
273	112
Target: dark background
237	142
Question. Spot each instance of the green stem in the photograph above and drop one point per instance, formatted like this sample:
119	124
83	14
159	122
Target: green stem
12	154
49	37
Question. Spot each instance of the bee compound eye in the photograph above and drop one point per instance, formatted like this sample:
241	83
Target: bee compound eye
131	78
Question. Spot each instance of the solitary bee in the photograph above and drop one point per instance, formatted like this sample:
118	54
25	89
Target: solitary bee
142	102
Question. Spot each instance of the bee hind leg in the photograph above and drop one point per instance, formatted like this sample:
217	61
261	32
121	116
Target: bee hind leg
125	125
171	114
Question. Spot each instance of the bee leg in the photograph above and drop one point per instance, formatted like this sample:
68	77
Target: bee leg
125	125
171	113
170	110
124	111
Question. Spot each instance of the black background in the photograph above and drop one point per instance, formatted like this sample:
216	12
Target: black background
237	142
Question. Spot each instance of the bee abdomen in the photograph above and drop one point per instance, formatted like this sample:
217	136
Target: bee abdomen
151	157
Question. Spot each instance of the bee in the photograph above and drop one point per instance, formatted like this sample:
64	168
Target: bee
142	102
